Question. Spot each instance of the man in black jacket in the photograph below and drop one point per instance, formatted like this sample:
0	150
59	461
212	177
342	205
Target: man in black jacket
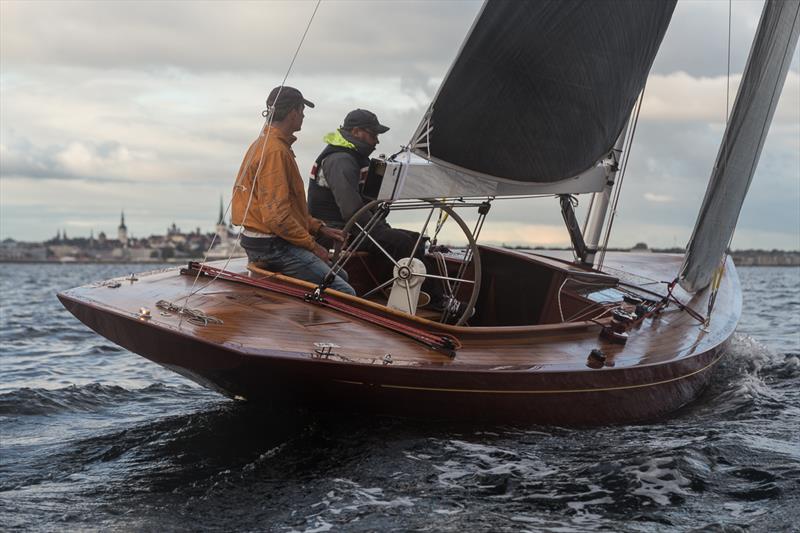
336	177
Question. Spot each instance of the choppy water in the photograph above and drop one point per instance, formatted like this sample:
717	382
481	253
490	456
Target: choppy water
93	437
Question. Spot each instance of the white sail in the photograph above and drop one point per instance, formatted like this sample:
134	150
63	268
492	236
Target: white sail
759	92
431	180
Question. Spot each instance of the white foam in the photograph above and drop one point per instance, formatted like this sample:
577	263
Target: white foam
658	482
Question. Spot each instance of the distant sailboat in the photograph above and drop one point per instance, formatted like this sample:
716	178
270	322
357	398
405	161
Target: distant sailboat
538	101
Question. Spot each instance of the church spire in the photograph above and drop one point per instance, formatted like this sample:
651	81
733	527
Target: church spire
221	219
122	231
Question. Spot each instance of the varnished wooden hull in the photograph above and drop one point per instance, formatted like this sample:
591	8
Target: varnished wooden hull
536	376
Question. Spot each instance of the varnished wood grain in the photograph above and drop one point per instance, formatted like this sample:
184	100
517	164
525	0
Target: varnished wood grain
267	336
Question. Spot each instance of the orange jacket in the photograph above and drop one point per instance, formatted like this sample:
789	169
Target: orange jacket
279	200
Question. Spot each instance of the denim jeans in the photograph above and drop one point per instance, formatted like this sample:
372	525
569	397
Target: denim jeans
281	256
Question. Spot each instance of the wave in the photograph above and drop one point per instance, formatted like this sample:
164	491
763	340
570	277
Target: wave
87	398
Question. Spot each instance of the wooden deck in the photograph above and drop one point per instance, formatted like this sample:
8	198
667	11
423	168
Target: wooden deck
264	335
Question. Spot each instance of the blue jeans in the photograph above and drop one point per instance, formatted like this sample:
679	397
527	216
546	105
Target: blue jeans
278	255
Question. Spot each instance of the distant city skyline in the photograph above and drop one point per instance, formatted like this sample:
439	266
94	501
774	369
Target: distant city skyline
149	107
113	232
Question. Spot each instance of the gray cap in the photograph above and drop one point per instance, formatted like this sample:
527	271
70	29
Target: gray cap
361	118
289	96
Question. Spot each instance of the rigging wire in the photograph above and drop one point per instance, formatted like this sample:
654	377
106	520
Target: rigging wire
617	190
720	270
268	115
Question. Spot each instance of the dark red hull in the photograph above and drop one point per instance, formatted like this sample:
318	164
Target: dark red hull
554	386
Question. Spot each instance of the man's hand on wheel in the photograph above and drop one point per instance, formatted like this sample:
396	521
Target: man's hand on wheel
333	233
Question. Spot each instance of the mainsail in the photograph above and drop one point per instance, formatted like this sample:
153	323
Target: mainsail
540	91
760	89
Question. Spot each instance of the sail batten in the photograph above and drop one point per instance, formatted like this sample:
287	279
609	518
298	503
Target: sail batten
757	98
541	90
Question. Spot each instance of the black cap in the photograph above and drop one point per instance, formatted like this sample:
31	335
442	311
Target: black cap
289	97
361	118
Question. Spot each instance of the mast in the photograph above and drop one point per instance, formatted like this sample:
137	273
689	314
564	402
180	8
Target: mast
599	204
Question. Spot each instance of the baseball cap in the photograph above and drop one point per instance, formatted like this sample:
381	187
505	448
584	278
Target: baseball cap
289	96
361	118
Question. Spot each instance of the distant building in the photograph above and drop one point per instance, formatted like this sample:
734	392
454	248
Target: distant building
173	246
225	245
122	231
11	250
222	227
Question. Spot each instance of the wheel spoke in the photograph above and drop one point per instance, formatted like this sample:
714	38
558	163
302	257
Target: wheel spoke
379	287
408	296
425	227
471	258
445	277
378	245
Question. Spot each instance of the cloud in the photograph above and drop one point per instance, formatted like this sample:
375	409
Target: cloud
696	41
75	160
658	198
346	36
680	97
151	106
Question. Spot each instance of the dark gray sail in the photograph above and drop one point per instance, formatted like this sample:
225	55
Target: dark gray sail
541	90
759	92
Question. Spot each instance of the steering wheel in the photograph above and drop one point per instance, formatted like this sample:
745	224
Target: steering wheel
456	309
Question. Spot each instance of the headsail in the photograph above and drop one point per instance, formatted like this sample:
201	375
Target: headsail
764	75
541	90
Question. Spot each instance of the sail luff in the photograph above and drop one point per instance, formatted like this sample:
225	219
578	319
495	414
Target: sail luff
757	98
424	124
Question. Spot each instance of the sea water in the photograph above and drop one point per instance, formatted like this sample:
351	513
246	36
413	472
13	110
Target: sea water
95	438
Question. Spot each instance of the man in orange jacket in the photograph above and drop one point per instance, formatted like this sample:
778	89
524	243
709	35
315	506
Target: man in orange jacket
269	200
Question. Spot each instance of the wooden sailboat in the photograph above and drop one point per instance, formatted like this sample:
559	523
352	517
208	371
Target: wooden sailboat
534	337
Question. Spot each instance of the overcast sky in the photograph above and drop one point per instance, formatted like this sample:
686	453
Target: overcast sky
150	106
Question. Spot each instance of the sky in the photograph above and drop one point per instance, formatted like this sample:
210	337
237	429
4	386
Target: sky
150	106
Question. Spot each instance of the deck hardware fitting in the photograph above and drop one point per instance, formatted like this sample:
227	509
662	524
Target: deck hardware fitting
597	354
387	359
114	285
617	331
315	296
596	359
631	299
325	349
619	337
144	313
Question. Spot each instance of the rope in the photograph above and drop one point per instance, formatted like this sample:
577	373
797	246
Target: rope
196	316
580	313
268	116
441	264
